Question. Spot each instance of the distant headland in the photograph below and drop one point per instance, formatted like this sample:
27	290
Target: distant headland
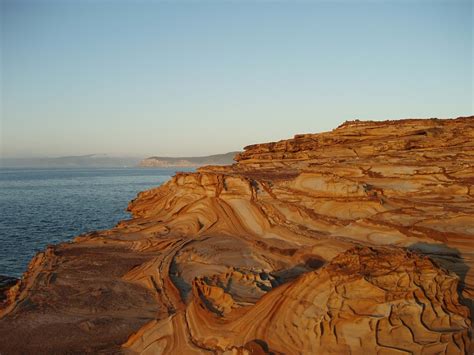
73	161
167	162
107	161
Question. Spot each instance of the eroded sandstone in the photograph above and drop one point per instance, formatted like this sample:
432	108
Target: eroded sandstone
357	240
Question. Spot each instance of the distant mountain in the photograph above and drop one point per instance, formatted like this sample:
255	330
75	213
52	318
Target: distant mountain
79	161
165	162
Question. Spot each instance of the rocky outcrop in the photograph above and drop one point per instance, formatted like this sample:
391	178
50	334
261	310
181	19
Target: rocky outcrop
355	240
6	283
365	300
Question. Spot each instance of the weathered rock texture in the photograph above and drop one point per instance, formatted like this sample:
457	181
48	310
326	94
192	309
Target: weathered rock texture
354	241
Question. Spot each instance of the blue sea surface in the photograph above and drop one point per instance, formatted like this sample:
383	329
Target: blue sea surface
47	206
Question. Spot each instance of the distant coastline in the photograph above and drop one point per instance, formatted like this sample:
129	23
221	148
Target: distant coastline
180	162
79	161
105	161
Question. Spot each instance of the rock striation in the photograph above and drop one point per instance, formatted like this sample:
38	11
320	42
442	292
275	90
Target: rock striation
350	241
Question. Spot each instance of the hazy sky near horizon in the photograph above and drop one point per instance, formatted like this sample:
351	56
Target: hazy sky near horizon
202	77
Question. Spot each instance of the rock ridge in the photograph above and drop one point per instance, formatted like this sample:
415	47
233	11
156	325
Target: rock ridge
350	241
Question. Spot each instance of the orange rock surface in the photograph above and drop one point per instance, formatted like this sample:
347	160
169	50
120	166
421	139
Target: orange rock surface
357	240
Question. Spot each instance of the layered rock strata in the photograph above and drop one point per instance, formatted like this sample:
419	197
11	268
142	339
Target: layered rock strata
355	240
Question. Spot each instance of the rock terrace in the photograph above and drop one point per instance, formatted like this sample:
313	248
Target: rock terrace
357	240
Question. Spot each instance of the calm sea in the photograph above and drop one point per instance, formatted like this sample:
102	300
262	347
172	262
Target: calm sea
45	206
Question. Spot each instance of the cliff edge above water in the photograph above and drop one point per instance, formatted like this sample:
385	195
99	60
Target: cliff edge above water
350	241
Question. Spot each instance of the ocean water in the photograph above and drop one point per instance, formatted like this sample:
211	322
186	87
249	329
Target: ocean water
47	206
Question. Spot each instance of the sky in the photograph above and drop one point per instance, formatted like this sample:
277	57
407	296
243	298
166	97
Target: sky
189	78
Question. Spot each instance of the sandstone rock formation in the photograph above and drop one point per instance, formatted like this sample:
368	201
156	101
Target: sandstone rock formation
6	283
354	241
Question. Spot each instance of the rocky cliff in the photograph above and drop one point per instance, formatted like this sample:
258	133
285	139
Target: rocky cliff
357	240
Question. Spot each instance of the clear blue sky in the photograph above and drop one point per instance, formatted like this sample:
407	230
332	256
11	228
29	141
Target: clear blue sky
201	77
